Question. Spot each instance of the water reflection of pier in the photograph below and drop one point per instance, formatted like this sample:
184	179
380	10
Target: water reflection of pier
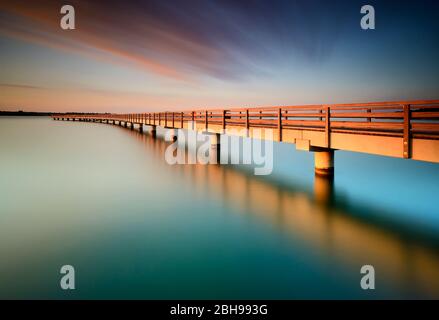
329	231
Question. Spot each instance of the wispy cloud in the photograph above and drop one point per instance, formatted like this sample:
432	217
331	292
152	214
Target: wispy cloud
180	39
20	86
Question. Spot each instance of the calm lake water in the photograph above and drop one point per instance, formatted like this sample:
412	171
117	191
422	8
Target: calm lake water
103	199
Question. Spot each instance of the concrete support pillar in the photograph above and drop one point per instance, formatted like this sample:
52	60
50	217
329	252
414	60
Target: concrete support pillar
215	147
132	126
324	162
154	131
140	127
125	124
171	135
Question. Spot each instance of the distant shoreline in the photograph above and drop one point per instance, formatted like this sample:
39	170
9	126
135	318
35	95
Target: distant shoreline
24	113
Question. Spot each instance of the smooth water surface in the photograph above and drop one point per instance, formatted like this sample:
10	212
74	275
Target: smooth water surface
102	199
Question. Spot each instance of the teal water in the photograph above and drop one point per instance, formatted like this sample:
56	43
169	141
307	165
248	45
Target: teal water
102	199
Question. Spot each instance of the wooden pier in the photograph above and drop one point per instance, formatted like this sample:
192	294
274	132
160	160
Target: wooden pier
403	129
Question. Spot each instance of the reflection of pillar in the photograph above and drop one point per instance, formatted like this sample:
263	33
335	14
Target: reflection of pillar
323	188
215	147
324	162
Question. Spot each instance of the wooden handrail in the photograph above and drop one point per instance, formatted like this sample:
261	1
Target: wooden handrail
402	118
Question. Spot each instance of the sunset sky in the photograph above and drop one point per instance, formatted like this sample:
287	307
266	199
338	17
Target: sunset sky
139	56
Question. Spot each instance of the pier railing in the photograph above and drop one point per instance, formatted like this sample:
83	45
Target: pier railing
418	118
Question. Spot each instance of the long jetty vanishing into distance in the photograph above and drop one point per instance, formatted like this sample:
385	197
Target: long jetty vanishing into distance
402	129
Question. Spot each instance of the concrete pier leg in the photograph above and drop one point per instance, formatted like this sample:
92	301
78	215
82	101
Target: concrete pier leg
324	162
171	135
154	131
132	126
215	147
140	127
125	124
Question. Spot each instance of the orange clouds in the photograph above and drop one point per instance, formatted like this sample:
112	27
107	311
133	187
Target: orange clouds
40	25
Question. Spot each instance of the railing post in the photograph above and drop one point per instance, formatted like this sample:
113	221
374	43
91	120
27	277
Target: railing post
406	132
173	122
206	122
193	120
181	120
279	124
224	121
327	126
247	121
